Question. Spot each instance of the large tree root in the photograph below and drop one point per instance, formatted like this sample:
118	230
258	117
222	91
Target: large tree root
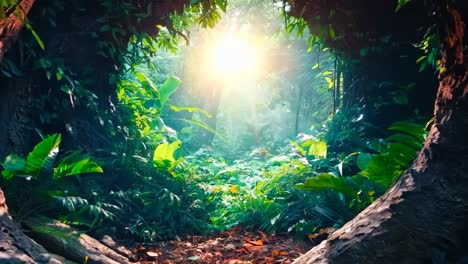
15	246
68	242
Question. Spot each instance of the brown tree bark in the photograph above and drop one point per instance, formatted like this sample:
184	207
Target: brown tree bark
424	214
15	246
11	26
69	242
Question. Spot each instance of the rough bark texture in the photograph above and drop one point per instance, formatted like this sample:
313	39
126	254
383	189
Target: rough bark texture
11	26
67	241
423	216
15	246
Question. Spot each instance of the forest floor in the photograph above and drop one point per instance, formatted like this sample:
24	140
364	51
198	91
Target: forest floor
232	247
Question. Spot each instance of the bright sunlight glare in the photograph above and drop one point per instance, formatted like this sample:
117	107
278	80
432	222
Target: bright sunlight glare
234	56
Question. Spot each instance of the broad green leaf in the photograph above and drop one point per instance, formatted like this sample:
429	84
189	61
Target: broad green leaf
318	149
12	166
401	154
363	160
164	155
168	88
381	170
407	140
75	163
412	129
43	155
326	181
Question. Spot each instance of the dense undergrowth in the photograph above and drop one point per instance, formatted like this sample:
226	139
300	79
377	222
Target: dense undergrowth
298	188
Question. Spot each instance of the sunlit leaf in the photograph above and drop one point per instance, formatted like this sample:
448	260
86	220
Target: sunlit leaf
325	181
164	155
318	149
75	163
168	88
43	155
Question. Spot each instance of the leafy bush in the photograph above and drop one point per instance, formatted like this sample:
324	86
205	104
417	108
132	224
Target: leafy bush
377	171
41	181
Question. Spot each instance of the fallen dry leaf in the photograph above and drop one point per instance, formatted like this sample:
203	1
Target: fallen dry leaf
234	246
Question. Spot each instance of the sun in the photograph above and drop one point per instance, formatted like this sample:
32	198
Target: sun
234	56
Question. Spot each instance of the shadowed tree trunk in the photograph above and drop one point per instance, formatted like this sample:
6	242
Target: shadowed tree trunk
423	216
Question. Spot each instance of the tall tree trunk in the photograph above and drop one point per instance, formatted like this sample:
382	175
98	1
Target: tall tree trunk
298	109
424	214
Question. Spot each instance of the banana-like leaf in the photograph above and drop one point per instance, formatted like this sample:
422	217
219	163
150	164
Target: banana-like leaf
412	129
326	181
75	163
382	170
168	88
43	155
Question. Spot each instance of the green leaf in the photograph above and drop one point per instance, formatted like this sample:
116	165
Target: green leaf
222	5
412	129
74	164
363	160
407	140
318	149
381	170
164	155
12	166
331	32
298	147
168	88
402	3
58	75
326	181
329	82
35	35
43	155
401	154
